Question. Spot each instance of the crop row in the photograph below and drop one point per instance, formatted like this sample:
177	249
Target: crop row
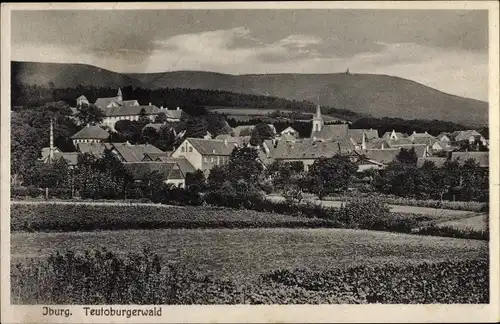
102	277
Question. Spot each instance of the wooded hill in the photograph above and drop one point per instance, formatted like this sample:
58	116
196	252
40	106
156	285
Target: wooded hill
376	95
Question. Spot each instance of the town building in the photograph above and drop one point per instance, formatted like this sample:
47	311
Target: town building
169	172
481	158
204	154
290	131
90	134
116	109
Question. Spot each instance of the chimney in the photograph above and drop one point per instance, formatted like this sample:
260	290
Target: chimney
225	141
178	108
363	142
150	104
414	132
382	145
213	151
161	107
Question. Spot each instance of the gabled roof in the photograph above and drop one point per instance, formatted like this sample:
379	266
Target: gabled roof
309	149
104	102
46	152
212	147
164	170
438	161
421	135
130	110
443	134
127	103
289	129
332	132
82	97
156	126
155	156
96	149
398	135
465	135
383	156
357	134
70	157
377	143
480	157
91	132
134	153
424	140
400	141
172	114
442	144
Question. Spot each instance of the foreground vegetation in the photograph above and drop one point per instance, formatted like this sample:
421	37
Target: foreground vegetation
102	277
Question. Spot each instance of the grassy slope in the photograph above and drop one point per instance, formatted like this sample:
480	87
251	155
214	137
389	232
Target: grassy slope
379	95
242	253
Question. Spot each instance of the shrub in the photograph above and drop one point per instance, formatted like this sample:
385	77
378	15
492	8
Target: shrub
103	277
449	231
364	213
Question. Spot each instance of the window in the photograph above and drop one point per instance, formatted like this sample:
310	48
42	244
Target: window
183	150
213	160
190	149
206	160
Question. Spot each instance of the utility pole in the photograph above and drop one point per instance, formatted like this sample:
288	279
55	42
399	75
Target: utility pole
51	151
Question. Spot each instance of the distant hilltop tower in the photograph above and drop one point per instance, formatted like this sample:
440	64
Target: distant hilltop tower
318	119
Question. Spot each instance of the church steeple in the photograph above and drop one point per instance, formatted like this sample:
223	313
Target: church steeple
119	95
318	119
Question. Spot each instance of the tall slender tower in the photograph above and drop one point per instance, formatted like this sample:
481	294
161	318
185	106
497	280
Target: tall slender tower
51	148
119	95
318	119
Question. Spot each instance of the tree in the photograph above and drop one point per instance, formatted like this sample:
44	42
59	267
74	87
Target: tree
150	135
260	133
244	165
161	118
246	132
217	124
407	156
329	175
196	127
143	118
166	139
195	181
89	114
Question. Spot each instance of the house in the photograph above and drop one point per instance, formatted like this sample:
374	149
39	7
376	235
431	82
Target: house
242	140
82	100
393	135
482	158
116	109
95	148
440	145
375	158
416	136
359	137
204	154
90	134
307	150
128	112
471	136
169	172
127	152
290	131
70	157
445	137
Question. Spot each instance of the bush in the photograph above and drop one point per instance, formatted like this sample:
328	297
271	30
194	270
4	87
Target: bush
61	193
449	231
103	277
364	213
54	217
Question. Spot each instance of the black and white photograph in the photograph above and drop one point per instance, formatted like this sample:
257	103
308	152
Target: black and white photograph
248	156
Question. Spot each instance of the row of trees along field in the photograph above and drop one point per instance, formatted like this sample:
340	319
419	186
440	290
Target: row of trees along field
245	177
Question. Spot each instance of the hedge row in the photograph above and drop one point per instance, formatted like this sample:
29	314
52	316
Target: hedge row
56	217
440	204
34	192
102	277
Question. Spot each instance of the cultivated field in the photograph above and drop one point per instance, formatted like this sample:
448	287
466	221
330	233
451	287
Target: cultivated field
478	223
245	253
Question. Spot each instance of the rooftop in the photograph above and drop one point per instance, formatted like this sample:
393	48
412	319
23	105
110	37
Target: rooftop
91	132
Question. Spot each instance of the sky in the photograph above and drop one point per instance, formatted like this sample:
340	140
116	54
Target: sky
443	49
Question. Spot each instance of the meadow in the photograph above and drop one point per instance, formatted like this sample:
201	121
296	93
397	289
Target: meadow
244	253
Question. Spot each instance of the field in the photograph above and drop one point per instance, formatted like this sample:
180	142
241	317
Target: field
478	223
244	253
244	111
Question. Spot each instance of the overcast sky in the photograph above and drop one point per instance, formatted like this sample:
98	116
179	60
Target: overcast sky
447	50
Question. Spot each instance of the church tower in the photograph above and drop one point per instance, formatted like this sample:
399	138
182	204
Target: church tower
119	96
318	119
